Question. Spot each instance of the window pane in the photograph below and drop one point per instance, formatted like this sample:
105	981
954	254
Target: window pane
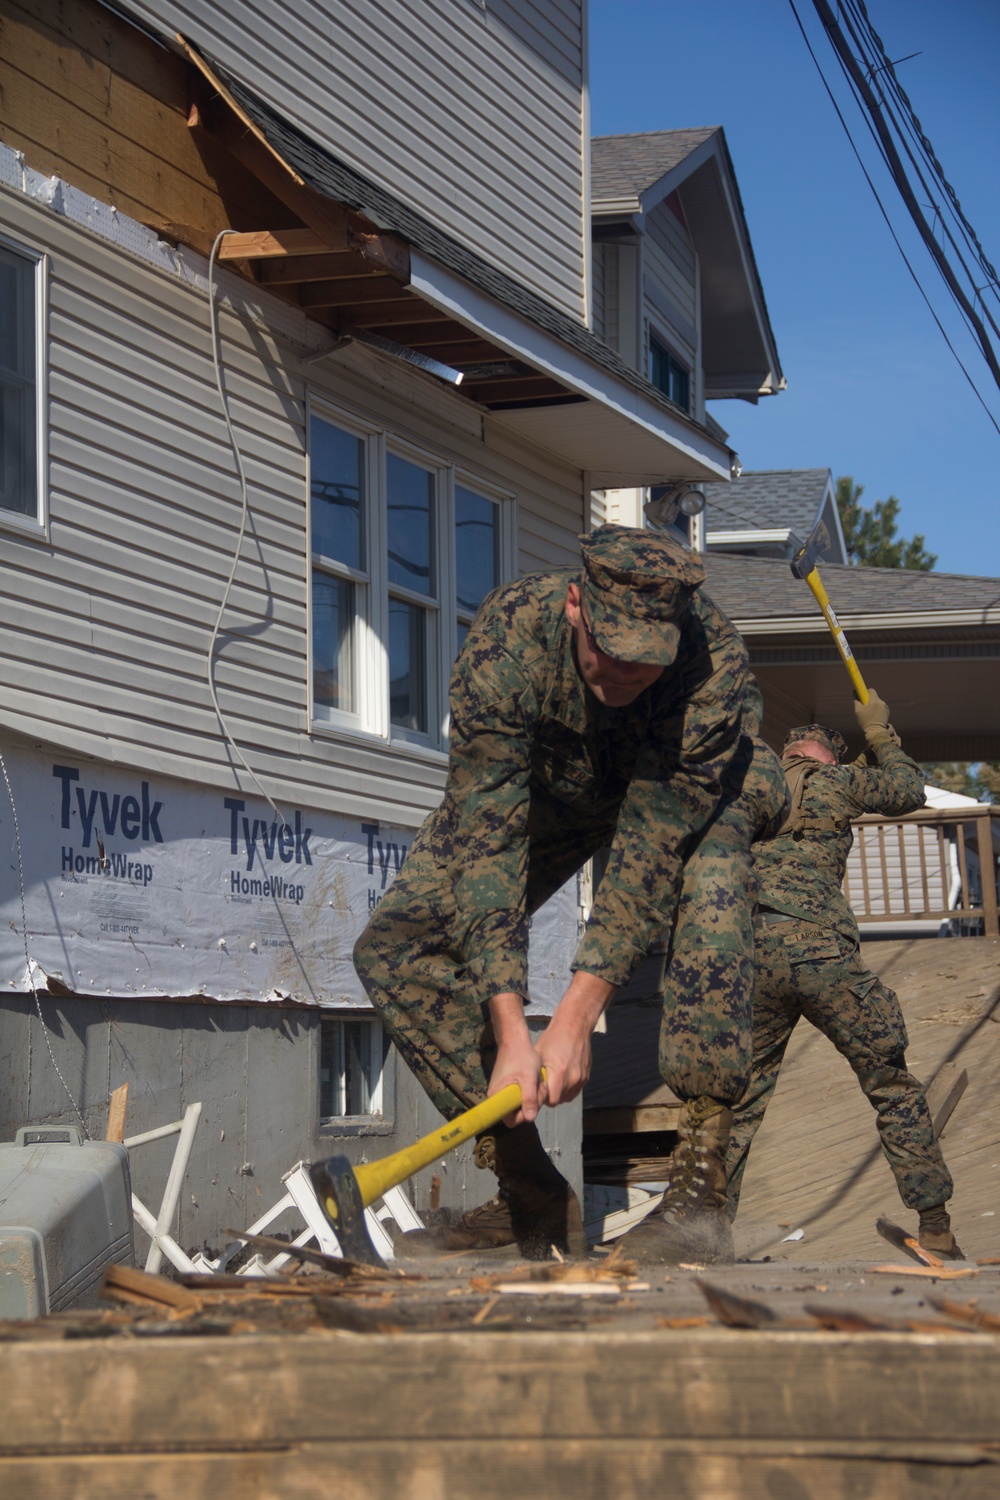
477	548
332	638
350	1067
668	374
337	466
411	525
18	438
407	666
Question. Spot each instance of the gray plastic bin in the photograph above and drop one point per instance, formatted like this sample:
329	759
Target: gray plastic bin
65	1216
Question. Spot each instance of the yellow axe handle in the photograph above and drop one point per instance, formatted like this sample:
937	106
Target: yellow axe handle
375	1178
847	655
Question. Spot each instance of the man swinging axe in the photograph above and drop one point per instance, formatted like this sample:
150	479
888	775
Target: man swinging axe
603	706
807	957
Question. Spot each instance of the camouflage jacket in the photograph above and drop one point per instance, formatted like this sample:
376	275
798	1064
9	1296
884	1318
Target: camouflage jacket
649	775
801	870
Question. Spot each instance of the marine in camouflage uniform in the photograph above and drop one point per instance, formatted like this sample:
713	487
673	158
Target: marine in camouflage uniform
608	706
808	960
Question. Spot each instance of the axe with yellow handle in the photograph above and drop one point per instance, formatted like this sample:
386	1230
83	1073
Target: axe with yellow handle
803	565
345	1191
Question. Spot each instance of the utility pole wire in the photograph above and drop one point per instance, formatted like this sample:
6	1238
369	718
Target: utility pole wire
896	167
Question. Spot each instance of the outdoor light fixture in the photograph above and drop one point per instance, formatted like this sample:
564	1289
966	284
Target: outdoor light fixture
395	351
735	467
682	499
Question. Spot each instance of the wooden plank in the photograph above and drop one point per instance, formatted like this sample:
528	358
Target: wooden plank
116	1114
944	1092
263	244
628	1470
637	1119
326	218
662	1386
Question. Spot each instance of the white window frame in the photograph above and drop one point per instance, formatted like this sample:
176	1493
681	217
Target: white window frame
373	590
17	521
379	1077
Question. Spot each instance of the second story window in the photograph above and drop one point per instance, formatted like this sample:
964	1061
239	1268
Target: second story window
404	550
668	374
21	439
478	538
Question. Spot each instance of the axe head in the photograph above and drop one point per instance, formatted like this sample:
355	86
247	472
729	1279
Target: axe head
809	555
340	1199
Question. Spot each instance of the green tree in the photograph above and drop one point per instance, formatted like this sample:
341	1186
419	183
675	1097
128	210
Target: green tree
870	534
978	778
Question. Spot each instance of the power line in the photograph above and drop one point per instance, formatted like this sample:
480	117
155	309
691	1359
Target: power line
889	226
903	184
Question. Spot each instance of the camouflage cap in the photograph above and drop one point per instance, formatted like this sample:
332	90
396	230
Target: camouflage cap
636	587
831	738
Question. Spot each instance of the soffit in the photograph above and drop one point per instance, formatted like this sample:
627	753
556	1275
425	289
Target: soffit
368	267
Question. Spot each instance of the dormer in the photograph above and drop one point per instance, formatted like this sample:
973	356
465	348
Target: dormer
676	290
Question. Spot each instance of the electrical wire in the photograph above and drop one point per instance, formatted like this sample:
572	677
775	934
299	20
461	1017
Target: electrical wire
916	130
29	966
244	512
876	121
897	112
882	209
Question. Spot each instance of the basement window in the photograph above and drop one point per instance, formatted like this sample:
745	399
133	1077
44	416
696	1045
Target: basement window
22	446
353	1069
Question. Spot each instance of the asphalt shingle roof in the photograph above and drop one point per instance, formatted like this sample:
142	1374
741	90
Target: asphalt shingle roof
620	163
767	499
759	588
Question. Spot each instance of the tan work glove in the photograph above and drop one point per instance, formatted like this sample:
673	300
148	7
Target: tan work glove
873	718
871	715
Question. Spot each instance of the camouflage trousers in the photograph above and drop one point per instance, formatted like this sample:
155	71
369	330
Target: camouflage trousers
803	969
430	997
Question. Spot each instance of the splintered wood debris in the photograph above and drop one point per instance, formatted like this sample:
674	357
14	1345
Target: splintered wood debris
745	1312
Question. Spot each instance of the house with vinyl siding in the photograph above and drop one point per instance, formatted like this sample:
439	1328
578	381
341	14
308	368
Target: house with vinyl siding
302	360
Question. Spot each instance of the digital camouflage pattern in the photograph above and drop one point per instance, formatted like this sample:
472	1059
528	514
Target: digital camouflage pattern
541	777
802	870
808	963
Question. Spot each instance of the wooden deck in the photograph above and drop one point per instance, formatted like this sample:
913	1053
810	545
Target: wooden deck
853	1380
816	1164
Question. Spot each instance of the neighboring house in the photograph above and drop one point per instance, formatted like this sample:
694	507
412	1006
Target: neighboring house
254	487
772	514
676	288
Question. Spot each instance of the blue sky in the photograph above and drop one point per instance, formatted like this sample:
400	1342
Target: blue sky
873	389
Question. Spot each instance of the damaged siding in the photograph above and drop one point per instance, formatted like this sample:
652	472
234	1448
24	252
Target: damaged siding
469	110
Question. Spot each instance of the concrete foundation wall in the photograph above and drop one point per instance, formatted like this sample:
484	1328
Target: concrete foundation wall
254	1069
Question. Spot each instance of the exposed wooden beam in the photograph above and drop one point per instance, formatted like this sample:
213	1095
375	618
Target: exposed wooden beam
337	227
356	291
385	316
344	265
326	218
264	244
514	389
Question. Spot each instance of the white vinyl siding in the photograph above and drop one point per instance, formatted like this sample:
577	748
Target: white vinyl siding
470	112
670	293
107	628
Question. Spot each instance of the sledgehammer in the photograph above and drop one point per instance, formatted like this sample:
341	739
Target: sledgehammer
345	1191
803	565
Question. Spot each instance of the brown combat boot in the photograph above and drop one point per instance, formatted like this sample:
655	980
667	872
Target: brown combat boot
534	1209
691	1222
935	1233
